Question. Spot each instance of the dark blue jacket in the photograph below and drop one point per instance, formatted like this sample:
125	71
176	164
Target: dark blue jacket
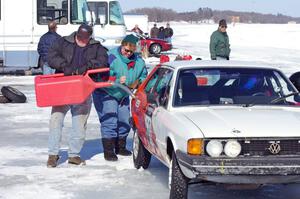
45	42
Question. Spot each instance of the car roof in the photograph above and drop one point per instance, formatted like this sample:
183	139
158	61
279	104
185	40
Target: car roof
213	63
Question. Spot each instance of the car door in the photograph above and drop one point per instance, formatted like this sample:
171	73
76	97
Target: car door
156	98
144	106
160	115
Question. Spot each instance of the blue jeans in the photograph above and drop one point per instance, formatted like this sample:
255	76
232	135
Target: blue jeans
47	70
80	114
113	115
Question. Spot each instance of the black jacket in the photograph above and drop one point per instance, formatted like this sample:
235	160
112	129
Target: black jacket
60	55
168	32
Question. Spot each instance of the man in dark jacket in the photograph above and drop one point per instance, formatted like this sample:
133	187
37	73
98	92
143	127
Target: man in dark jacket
73	55
168	33
219	43
44	44
154	31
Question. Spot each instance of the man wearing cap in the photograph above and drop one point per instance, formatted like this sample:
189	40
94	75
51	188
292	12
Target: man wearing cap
112	104
154	31
219	43
168	33
73	55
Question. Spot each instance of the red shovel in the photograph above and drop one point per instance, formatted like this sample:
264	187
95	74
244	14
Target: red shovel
57	89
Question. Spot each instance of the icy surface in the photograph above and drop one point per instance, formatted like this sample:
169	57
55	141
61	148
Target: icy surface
24	132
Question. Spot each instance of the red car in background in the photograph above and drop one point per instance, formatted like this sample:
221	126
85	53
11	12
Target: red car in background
155	46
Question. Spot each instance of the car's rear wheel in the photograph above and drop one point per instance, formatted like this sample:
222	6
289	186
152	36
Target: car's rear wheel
155	49
141	157
179	183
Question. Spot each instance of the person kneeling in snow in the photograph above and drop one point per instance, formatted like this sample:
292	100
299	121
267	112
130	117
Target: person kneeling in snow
112	104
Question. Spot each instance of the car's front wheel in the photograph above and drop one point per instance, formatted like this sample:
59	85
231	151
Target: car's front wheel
155	49
178	181
141	157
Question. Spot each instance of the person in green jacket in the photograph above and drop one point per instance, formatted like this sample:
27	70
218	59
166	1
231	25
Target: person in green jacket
219	43
112	104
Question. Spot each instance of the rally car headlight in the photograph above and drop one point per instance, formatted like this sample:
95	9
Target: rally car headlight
214	148
232	148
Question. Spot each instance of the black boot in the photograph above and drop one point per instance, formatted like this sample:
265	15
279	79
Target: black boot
108	147
121	147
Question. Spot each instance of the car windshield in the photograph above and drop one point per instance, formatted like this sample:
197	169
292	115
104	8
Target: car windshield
227	86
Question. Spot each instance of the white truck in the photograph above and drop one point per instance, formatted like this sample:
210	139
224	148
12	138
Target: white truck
22	23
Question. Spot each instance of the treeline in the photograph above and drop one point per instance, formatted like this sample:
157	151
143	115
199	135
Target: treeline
207	14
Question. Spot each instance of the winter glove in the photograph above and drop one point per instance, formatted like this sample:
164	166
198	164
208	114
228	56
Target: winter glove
134	85
81	70
67	71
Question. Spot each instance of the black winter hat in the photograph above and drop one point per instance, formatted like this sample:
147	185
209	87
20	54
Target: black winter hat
222	22
84	31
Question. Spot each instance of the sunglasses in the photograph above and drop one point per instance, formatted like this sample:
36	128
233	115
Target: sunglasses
223	26
128	51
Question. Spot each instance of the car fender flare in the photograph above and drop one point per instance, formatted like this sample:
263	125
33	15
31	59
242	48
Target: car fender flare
170	138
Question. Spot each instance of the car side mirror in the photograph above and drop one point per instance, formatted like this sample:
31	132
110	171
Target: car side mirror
152	98
163	101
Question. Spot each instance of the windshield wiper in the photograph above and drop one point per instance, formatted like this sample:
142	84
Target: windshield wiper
283	97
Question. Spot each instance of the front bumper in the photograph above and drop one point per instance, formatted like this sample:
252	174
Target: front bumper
257	170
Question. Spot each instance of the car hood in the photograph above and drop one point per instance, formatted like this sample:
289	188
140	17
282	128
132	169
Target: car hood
246	122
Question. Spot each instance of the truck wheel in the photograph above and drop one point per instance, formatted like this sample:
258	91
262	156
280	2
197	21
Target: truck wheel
141	157
179	183
155	49
14	95
3	99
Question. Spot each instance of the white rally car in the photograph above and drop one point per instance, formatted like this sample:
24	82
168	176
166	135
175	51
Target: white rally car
220	121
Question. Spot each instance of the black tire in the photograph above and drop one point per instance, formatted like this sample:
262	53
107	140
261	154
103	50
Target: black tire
155	49
141	157
179	183
14	95
3	99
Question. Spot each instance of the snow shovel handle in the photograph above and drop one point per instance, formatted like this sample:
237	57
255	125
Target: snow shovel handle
98	70
124	88
108	83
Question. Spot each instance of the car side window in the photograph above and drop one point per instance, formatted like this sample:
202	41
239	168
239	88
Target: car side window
157	89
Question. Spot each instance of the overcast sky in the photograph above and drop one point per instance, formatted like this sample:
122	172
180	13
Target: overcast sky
287	7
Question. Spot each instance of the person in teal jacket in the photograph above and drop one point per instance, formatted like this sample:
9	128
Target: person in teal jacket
112	104
219	43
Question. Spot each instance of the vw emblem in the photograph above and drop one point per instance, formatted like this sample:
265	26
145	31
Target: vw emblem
274	148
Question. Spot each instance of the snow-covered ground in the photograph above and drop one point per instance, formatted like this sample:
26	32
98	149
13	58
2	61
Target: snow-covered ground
24	132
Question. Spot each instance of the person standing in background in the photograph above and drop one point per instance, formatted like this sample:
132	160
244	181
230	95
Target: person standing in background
219	43
161	33
154	31
43	47
73	55
168	33
113	104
